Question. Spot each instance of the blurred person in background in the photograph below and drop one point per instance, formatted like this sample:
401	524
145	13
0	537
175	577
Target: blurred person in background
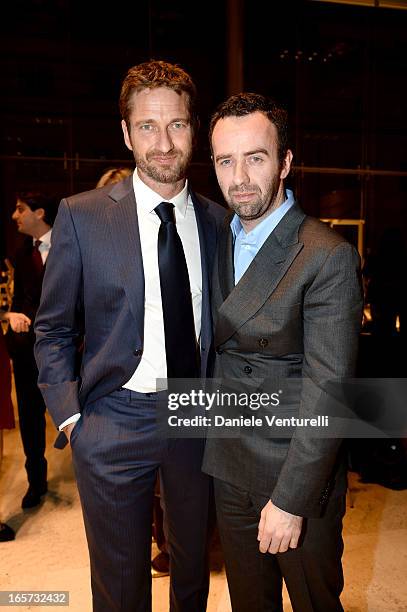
34	216
18	322
113	175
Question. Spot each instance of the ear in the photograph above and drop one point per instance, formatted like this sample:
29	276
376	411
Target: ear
39	213
286	165
126	135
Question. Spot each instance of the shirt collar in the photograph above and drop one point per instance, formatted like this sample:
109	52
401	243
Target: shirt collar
148	199
259	233
45	238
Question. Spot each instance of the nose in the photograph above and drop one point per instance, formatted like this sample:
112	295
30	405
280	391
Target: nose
14	216
164	142
240	175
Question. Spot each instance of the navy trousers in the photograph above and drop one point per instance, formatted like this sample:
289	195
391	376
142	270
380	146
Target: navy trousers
116	455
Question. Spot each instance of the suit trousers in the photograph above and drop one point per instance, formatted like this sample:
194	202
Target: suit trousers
31	414
312	572
116	456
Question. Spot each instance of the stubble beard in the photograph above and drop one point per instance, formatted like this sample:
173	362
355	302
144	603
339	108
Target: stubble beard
172	174
248	211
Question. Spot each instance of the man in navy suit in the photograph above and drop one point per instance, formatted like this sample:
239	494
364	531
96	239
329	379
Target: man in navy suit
103	283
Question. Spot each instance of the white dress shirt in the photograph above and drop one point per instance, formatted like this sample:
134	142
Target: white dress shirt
153	364
45	245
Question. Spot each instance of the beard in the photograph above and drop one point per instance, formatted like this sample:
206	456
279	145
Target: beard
171	174
257	207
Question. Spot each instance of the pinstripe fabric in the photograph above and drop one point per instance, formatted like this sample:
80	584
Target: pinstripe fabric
94	284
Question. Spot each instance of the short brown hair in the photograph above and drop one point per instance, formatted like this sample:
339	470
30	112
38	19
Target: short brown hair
152	74
242	104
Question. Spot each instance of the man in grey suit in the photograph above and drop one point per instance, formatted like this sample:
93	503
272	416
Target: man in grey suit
287	305
114	250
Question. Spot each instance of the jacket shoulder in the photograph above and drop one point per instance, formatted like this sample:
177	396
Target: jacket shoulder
315	231
215	209
92	198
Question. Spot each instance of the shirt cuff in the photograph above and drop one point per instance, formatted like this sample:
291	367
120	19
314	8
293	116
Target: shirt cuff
73	419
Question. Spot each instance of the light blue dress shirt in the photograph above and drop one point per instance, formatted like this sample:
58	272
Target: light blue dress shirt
246	246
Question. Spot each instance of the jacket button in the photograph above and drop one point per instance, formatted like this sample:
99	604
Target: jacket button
263	342
247	370
219	351
138	352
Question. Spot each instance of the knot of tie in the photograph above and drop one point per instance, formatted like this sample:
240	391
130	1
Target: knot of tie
165	212
36	258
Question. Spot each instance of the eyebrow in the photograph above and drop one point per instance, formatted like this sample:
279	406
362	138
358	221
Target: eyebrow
264	151
186	119
255	152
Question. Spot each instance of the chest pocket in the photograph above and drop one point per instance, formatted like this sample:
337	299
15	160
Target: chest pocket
273	330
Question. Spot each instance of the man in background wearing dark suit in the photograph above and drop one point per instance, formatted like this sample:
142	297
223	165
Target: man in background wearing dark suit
287	305
130	271
34	216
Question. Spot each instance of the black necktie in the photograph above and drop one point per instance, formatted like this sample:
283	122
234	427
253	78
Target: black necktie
36	257
179	328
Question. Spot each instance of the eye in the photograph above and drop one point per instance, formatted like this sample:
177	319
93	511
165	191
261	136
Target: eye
225	163
255	160
178	125
146	127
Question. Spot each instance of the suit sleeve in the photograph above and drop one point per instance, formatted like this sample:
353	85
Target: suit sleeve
331	319
58	322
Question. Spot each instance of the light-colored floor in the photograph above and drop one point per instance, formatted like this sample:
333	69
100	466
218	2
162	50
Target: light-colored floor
50	551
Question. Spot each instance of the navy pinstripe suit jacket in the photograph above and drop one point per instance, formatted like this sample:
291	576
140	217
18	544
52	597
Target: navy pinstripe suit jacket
94	288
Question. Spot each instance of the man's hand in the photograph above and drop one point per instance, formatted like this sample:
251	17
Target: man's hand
68	430
19	322
278	529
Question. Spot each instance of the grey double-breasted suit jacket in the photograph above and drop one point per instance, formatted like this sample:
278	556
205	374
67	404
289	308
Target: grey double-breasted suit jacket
295	313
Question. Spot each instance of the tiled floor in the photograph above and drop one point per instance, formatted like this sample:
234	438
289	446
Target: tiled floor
50	549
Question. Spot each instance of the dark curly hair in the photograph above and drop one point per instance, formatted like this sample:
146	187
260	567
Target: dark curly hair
242	104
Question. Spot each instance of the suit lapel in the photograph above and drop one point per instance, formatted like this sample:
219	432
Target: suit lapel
226	270
206	231
261	278
126	247
207	244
